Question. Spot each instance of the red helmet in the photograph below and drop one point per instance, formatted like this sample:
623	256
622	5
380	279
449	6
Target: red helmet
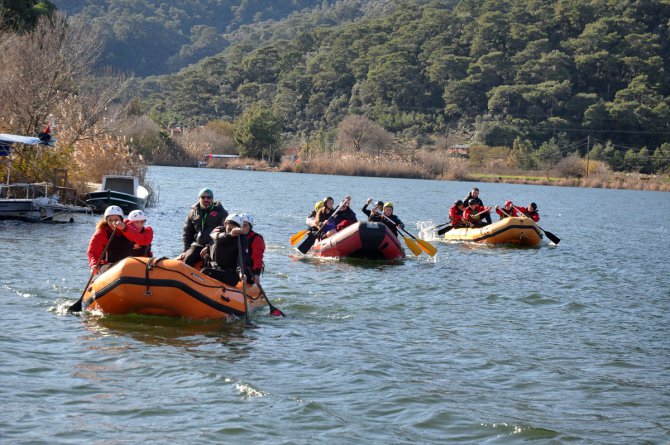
508	203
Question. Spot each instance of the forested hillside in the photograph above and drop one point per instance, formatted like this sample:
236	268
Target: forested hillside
148	37
499	69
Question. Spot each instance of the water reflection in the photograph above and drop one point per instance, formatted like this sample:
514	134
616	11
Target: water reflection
173	332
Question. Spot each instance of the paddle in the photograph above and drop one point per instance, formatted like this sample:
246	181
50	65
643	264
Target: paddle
554	239
312	237
77	306
424	245
273	310
247	322
298	236
444	230
411	245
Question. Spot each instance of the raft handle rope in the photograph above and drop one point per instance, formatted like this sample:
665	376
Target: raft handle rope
157	266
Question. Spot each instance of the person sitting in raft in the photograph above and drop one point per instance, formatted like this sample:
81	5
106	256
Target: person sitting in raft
122	242
202	218
391	220
507	211
472	215
138	219
456	214
221	255
530	211
374	215
474	194
345	216
255	250
322	219
310	218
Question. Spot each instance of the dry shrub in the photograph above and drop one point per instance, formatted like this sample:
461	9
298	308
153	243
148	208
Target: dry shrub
361	164
571	167
239	163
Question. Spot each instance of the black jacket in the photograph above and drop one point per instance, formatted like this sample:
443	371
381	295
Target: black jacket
200	223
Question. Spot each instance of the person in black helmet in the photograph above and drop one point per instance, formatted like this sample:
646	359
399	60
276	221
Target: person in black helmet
530	211
456	214
374	215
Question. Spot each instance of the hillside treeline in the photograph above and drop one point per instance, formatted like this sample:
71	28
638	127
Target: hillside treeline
581	74
146	37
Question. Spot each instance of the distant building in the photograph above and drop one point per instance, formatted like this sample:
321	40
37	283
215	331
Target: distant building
291	154
458	151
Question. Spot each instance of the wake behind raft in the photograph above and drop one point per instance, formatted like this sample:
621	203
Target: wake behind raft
168	287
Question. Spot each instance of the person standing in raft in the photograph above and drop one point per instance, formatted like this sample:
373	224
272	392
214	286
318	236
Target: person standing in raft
202	218
530	211
474	194
375	214
221	255
345	216
507	211
255	250
456	215
121	245
391	220
138	219
474	212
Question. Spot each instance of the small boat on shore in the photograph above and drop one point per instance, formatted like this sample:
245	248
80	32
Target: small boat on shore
515	230
123	191
168	287
369	240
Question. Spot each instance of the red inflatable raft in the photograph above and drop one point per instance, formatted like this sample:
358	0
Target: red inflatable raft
370	240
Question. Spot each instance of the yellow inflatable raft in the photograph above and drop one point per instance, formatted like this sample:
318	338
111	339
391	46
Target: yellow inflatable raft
151	286
522	231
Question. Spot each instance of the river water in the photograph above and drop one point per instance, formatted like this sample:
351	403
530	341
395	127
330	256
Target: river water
556	344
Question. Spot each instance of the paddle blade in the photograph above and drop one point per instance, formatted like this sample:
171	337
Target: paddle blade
427	247
298	236
412	246
75	307
444	230
307	244
554	239
276	312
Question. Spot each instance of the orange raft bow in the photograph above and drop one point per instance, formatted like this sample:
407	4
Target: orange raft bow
151	286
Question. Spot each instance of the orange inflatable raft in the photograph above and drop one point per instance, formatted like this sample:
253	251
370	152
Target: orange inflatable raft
151	286
370	240
522	231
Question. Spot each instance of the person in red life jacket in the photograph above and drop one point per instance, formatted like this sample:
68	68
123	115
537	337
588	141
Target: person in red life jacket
221	255
345	216
530	211
202	218
474	212
391	220
375	214
456	214
121	245
474	194
507	211
138	219
255	250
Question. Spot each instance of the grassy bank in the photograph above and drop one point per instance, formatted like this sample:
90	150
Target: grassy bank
425	166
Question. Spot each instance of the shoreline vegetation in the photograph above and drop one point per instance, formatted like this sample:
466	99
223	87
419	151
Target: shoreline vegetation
453	169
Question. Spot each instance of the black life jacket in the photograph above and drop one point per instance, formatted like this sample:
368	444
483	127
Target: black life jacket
224	253
120	248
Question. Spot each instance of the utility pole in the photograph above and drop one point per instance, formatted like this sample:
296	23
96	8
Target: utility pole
588	154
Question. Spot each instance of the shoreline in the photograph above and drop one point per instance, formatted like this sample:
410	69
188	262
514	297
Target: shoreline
622	181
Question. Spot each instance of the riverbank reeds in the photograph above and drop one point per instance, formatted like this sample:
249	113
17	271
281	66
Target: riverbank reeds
427	165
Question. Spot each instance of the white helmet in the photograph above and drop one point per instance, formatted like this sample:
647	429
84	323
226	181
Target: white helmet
234	217
113	210
137	215
248	219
